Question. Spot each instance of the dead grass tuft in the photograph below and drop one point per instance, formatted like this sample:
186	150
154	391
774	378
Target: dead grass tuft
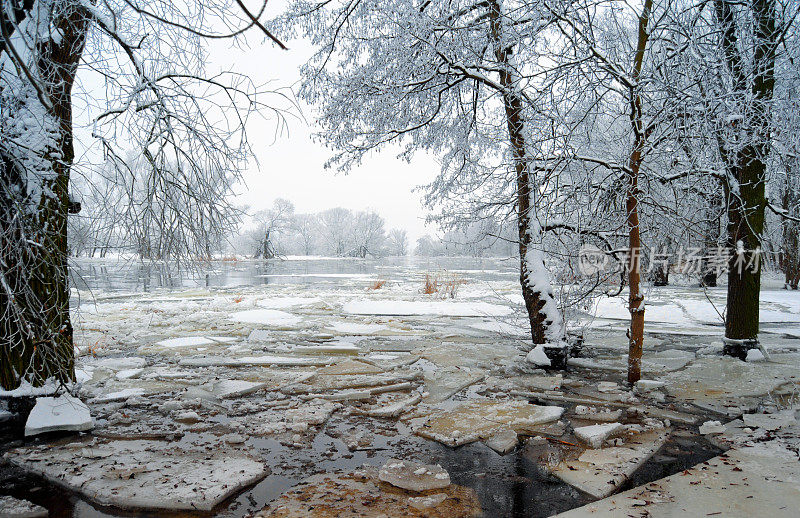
376	285
443	284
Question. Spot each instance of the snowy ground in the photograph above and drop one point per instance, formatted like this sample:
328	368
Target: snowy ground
315	373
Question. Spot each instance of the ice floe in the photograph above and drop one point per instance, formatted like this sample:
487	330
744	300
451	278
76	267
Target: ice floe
61	413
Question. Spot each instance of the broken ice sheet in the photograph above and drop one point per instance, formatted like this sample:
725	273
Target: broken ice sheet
444	383
599	472
11	507
61	413
752	481
362	494
596	434
425	307
268	317
711	378
298	418
235	388
333	347
503	441
350	367
394	408
167	477
355	328
482	419
413	476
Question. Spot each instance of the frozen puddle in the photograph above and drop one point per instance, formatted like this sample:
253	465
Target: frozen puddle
166	476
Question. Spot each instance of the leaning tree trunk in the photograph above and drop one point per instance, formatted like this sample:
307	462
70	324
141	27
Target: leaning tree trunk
747	173
545	318
35	328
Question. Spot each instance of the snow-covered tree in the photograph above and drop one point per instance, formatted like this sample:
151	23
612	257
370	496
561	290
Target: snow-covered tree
442	77
272	225
397	242
368	235
306	231
153	99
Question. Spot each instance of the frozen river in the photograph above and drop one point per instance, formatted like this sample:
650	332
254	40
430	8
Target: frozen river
305	368
133	275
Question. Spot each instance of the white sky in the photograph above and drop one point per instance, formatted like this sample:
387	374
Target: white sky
291	165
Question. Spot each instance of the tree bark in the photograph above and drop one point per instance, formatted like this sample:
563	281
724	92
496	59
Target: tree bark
36	332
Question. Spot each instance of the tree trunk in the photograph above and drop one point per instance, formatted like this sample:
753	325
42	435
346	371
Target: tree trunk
747	170
708	270
36	332
543	314
790	249
636	297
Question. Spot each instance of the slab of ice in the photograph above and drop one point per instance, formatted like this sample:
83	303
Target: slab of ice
268	317
357	329
770	422
337	347
596	434
427	502
235	388
710	378
62	413
413	476
120	395
425	307
599	472
117	364
754	481
11	507
141	474
287	302
350	367
648	385
209	361
503	442
128	374
394	409
443	384
482	419
185	341
362	494
712	427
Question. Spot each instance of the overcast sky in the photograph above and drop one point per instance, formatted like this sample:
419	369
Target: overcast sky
290	165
